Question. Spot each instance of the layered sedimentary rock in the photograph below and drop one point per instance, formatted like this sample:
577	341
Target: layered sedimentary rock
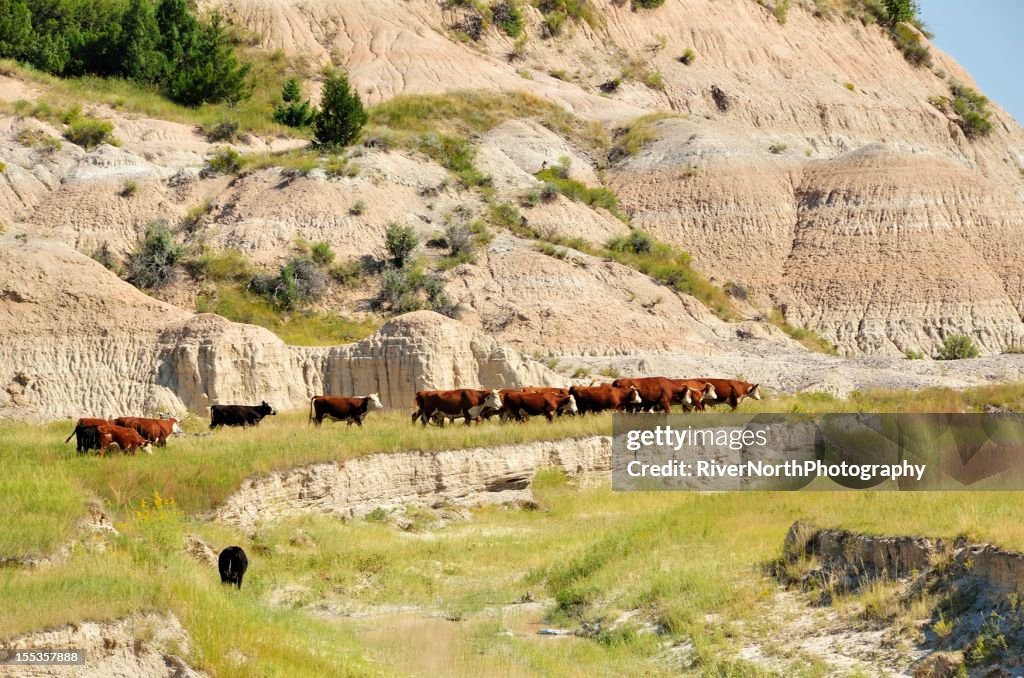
79	341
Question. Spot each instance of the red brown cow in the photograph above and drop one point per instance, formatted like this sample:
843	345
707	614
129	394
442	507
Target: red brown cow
604	397
155	431
86	436
691	393
523	404
342	408
127	439
731	391
457	402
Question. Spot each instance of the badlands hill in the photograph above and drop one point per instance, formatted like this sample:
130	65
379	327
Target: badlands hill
805	165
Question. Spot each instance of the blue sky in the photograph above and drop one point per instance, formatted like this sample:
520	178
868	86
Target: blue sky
987	38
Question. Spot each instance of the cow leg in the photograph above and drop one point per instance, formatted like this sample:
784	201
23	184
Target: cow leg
465	414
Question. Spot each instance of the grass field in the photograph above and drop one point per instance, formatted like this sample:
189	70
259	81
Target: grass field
327	597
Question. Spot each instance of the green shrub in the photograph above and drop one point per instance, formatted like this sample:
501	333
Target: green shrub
911	354
899	11
975	119
299	282
225	160
341	116
688	57
128	188
400	241
322	254
89	132
957	347
224	129
400	289
454	154
3	167
647	4
155	259
908	41
293	111
654	80
781	10
637	242
554	23
220	266
358	207
577	191
507	16
778	148
348	273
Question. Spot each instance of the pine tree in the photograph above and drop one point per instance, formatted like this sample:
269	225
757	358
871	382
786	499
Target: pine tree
293	112
207	70
341	115
141	56
15	29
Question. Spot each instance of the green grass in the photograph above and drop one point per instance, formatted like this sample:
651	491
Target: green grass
809	339
252	115
298	328
587	554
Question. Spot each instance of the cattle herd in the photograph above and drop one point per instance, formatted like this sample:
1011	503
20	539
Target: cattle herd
645	394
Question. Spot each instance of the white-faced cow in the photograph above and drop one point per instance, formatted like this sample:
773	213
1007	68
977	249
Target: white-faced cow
239	415
458	403
342	408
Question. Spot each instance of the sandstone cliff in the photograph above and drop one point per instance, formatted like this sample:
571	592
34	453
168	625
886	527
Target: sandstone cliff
79	341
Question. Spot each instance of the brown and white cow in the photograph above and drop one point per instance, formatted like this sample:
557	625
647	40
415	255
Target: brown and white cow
342	408
126	439
457	402
523	404
604	397
691	394
155	431
731	391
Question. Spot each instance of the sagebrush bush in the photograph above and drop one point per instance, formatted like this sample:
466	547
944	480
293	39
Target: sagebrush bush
507	16
224	129
957	347
400	241
225	160
89	132
299	282
154	260
972	107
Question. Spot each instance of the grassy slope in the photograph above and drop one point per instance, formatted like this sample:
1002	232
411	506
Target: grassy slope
651	552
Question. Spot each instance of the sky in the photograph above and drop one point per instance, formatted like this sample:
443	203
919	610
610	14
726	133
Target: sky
987	38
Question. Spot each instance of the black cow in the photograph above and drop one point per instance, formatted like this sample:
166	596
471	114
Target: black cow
86	435
232	564
239	415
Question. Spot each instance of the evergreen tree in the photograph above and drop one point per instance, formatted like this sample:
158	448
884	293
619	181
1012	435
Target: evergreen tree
15	29
341	115
141	58
292	111
208	71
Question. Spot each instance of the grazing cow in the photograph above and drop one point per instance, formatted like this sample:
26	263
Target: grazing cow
523	404
604	397
731	391
126	439
656	393
232	564
239	415
340	408
86	436
456	402
154	430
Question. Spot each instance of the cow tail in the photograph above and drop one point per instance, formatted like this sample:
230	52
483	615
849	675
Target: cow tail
311	408
68	439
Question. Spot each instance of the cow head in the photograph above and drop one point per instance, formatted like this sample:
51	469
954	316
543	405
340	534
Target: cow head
375	401
493	400
267	409
147	448
754	392
634	396
175	427
570	406
710	392
687	399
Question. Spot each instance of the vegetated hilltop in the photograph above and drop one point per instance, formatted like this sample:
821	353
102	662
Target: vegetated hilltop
657	173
